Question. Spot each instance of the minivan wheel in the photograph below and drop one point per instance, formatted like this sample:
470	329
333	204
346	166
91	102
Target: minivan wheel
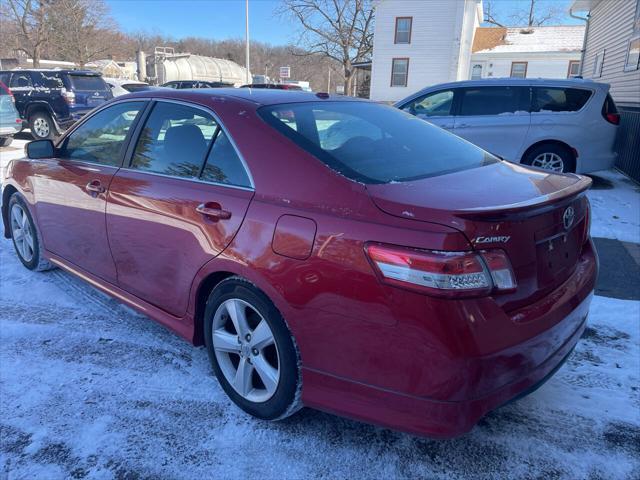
25	235
42	126
252	351
552	157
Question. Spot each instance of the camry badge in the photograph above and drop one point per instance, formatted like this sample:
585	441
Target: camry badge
567	218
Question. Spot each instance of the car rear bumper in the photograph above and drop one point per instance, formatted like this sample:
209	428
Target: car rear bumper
476	384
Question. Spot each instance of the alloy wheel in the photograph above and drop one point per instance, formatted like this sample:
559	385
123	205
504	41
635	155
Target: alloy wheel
549	161
41	127
22	233
246	350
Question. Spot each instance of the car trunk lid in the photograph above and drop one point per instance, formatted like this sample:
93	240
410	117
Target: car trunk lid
537	217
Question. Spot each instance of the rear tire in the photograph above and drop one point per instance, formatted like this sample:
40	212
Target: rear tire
252	351
25	235
552	157
5	141
42	126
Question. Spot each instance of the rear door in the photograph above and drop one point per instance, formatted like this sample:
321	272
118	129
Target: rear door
177	205
434	107
495	118
70	190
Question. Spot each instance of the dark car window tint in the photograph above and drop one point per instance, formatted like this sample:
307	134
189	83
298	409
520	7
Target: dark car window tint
101	138
397	146
48	79
174	140
494	100
21	80
4	78
435	104
224	165
548	99
88	83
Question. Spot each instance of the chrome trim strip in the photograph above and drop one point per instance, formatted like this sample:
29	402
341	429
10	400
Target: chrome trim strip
188	179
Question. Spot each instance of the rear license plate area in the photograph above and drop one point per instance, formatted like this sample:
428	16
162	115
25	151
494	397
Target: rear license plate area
558	256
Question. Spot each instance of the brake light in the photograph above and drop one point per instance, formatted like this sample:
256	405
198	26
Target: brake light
443	274
68	96
613	118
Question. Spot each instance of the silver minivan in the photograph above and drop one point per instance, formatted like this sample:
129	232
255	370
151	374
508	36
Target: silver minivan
560	125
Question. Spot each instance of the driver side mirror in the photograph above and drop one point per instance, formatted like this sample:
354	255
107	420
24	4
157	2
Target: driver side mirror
40	149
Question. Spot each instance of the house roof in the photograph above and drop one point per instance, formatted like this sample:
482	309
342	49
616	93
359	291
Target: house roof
528	39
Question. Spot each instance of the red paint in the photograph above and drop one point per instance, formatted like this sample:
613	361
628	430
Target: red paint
369	349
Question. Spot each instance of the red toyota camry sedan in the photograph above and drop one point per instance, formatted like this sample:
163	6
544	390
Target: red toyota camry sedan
329	252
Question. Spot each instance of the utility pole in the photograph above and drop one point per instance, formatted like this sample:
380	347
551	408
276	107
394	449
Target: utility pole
246	52
329	80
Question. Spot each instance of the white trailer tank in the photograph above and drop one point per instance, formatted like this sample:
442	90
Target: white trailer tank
169	67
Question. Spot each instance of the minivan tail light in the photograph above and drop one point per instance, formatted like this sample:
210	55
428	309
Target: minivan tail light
613	118
442	274
69	97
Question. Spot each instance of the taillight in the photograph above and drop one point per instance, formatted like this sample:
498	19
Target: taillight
613	118
443	274
68	96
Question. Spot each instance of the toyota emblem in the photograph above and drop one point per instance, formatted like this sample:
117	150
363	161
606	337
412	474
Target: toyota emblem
567	218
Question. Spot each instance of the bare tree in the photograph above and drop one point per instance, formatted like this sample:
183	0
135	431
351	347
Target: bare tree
340	30
83	30
535	13
30	19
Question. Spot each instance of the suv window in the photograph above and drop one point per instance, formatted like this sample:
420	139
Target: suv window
88	83
557	99
101	138
435	104
21	80
48	79
494	100
377	143
224	165
174	140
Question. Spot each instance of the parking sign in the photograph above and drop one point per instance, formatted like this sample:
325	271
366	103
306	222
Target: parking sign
285	72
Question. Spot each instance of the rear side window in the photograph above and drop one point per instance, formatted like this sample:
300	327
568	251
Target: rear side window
88	83
174	140
48	79
557	99
224	165
21	80
494	100
373	143
101	138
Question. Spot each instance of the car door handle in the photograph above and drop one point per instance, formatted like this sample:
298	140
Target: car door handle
94	187
213	210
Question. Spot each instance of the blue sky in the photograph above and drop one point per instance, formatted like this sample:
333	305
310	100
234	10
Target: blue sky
220	19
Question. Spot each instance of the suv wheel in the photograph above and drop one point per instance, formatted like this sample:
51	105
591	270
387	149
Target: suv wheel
42	126
252	351
552	157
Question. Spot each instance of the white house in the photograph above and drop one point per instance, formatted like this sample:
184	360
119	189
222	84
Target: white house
612	55
420	43
527	52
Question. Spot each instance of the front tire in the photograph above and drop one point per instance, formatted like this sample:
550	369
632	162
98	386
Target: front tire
551	157
42	126
26	238
252	351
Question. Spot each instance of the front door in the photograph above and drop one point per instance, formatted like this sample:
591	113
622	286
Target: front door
70	190
496	118
176	206
434	107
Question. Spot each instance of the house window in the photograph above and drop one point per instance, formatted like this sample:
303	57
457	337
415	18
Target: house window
399	72
403	30
574	68
633	55
597	64
519	69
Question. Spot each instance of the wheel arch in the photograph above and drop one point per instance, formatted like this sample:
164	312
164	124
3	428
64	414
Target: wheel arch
6	195
203	290
38	107
551	141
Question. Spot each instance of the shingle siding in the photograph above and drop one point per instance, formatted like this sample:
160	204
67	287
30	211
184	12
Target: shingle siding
610	28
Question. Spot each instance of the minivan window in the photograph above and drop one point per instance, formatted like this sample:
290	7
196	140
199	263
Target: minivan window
100	139
399	147
494	100
174	140
435	104
557	99
86	83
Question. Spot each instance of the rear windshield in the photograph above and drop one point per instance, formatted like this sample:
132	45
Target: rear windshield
88	83
373	143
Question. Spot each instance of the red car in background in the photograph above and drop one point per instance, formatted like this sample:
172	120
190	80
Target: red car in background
329	252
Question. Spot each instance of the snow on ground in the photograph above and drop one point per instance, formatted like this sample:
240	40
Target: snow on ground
89	389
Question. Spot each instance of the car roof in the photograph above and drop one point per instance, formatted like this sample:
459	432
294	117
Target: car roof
54	70
256	96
